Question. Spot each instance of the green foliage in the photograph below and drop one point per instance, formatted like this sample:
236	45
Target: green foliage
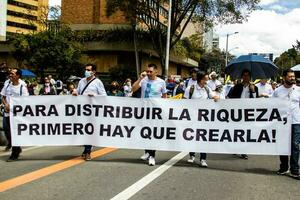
48	50
289	58
213	61
121	72
183	12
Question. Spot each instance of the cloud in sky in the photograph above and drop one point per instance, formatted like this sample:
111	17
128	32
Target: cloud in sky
266	31
54	2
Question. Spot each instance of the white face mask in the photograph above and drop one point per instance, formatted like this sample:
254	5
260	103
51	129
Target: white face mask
87	74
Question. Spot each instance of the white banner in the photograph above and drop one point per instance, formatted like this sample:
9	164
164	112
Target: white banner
3	12
252	126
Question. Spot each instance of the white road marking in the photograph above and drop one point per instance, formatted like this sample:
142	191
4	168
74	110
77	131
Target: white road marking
136	187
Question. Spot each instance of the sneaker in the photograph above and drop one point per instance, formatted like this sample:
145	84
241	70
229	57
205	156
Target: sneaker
282	172
244	156
145	156
191	159
87	157
203	163
295	175
12	159
151	161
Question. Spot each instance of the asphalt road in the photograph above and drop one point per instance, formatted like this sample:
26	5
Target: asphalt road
122	175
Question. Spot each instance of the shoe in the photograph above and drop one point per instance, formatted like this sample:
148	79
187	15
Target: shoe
203	163
244	156
151	161
295	175
191	159
12	159
83	155
145	156
87	157
282	172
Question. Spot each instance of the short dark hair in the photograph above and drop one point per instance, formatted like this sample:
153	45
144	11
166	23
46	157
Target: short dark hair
152	65
94	67
18	72
201	75
246	71
286	71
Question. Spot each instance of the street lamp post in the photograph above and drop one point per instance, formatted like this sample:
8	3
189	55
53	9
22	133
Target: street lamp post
227	35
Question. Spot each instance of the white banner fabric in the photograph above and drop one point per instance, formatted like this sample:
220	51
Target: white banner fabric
234	126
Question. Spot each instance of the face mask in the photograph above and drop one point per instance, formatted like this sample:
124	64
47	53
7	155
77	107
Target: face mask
87	74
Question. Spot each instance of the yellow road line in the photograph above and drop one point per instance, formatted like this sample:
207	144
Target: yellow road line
26	178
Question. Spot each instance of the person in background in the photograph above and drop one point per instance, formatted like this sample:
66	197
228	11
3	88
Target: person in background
274	85
127	88
48	88
244	90
193	79
114	90
227	88
151	87
178	88
89	86
213	82
265	90
52	81
14	89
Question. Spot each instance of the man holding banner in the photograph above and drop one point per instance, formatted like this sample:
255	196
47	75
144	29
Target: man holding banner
15	88
89	86
286	91
151	87
199	91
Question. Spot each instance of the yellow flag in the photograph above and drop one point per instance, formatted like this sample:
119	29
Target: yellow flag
178	96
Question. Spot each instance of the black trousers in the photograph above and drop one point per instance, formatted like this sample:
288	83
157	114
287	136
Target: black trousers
151	152
16	150
202	155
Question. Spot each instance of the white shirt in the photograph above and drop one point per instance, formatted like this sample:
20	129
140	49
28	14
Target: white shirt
190	82
213	83
199	92
265	89
246	92
283	92
221	95
226	89
95	88
295	105
152	88
13	91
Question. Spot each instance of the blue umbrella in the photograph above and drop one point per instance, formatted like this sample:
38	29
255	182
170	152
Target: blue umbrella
27	73
296	68
259	66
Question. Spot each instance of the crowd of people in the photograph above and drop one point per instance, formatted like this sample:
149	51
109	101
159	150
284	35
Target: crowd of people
200	85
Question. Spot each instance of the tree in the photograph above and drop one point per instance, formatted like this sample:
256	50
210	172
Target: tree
183	12
49	50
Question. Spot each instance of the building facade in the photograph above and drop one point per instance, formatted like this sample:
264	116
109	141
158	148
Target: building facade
92	15
24	16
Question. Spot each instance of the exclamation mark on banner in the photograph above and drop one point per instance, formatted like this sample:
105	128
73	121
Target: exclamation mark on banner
273	136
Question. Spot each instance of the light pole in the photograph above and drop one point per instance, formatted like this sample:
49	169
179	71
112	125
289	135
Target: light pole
168	41
227	35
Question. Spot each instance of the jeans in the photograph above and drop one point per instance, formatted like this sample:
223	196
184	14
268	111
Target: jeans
202	155
294	160
87	149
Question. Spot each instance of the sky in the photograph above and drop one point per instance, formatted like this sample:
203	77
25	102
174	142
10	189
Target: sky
272	29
